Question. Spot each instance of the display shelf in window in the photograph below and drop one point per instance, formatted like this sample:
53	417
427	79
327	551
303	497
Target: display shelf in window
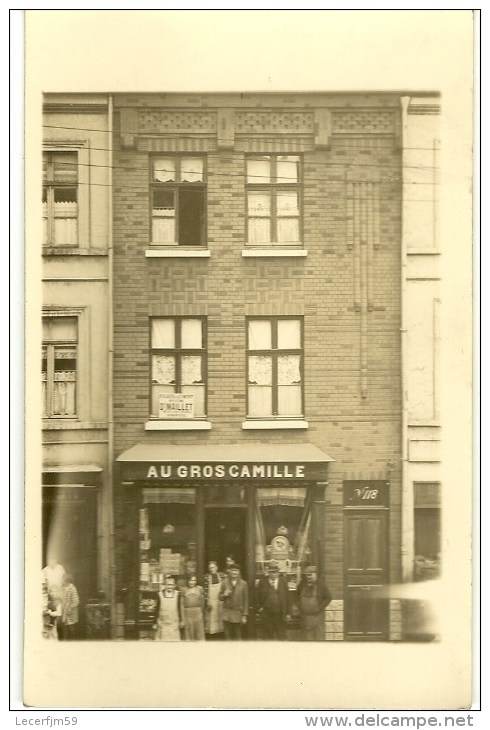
283	521
167	545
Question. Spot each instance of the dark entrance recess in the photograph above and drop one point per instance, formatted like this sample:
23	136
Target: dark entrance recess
225	534
225	525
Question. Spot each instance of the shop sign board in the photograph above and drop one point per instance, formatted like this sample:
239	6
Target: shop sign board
188	471
176	405
225	471
366	493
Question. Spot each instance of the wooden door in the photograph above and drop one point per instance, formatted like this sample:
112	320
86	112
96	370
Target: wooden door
366	615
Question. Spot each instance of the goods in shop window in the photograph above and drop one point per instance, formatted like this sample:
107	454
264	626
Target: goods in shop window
148	604
143	520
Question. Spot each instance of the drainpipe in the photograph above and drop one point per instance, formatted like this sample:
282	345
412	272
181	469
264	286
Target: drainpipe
406	498
110	407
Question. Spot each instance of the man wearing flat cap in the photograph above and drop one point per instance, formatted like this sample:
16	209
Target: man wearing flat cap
273	603
313	597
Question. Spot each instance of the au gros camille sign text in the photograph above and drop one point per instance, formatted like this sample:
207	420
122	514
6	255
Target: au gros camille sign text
225	471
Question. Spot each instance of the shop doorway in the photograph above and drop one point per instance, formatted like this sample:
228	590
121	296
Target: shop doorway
225	534
366	615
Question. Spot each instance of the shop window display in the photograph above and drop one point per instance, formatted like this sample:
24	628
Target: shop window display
282	529
167	542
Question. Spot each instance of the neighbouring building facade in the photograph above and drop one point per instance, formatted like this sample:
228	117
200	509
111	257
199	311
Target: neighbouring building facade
76	496
421	302
240	348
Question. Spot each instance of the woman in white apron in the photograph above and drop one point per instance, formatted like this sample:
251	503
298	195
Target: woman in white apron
169	619
214	608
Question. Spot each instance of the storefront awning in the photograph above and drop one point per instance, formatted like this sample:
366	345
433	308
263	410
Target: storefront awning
71	468
235	453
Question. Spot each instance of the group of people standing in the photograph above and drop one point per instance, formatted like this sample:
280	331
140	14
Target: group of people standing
220	608
60	602
217	610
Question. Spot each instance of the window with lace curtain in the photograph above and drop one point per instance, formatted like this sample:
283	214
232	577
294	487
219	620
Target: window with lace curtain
59	367
273	200
178	365
177	191
60	198
275	367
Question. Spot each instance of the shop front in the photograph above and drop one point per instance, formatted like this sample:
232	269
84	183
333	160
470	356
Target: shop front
69	527
187	506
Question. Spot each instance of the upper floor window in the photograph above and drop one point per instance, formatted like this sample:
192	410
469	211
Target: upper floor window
59	367
60	198
178	367
178	190
273	200
275	367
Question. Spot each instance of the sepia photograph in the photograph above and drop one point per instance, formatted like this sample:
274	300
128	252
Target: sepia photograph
239	297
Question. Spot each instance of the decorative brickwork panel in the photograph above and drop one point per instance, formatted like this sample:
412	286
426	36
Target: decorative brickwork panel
164	121
176	144
363	122
286	145
265	122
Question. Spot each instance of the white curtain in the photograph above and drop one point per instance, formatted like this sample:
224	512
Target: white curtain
287	169
163	333
64	393
287	216
164	170
288	393
65	224
191	333
45	223
260	369
259	211
259	401
191	169
163	369
44	396
259	334
288	371
289	400
191	369
258	171
287	230
290	496
289	334
163	229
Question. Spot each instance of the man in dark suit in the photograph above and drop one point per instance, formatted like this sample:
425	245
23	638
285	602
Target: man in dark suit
273	603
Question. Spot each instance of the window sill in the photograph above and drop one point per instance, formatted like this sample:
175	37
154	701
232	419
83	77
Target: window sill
177	253
178	425
61	424
255	425
72	251
273	252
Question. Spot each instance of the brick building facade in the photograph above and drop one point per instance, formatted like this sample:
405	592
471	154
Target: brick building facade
257	259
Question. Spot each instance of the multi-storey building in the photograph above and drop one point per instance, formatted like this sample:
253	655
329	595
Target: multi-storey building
76	480
240	345
257	347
